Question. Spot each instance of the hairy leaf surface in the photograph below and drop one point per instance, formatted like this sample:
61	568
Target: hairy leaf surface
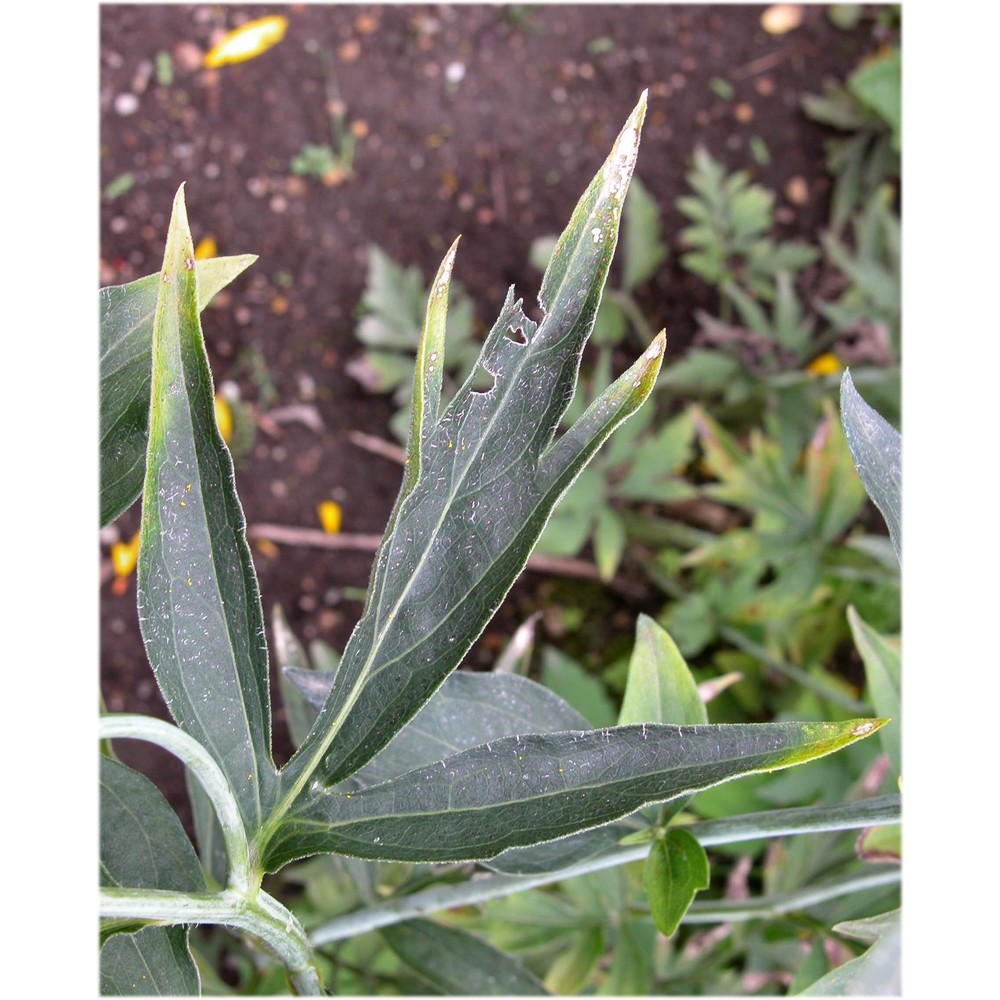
467	710
125	371
524	790
143	846
481	481
877	449
199	606
154	961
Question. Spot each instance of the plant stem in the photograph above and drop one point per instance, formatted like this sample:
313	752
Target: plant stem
262	916
728	910
778	822
242	877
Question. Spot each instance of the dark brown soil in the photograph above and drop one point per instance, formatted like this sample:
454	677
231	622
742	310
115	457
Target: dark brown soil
500	155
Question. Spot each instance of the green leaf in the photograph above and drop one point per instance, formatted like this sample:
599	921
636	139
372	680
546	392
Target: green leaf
631	971
155	961
702	371
291	659
877	450
208	834
524	790
642	241
457	963
125	371
878	84
609	543
199	606
568	679
677	867
572	966
660	686
875	973
468	709
883	670
489	476
144	846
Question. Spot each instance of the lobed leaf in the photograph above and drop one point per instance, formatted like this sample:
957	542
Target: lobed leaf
127	313
523	790
199	606
482	481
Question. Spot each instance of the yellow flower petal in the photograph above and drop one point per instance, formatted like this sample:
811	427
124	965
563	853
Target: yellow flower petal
206	248
330	516
224	418
247	41
825	364
124	556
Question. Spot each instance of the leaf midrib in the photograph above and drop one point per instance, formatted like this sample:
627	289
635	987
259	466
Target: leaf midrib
207	730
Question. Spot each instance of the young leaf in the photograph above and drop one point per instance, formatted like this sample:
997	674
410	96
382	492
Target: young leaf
677	867
457	963
523	790
199	606
660	686
877	449
489	476
125	372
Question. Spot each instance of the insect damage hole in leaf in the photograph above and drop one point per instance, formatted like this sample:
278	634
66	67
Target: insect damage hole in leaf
483	380
516	334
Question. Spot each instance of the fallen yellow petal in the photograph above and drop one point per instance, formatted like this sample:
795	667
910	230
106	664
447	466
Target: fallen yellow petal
206	248
266	548
224	418
330	516
781	18
247	41
124	556
825	364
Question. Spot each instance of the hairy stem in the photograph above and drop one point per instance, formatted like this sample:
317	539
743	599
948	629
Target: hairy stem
778	822
262	916
242	877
